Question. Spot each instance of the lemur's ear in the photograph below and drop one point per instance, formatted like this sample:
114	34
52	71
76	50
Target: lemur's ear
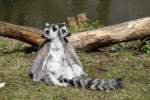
47	24
64	23
69	34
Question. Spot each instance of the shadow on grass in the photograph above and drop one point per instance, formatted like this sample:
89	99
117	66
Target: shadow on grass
26	50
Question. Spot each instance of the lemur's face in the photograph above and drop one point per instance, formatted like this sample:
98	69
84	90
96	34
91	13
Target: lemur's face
63	30
51	31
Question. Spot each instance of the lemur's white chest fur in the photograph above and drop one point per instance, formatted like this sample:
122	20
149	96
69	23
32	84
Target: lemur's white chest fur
56	50
56	64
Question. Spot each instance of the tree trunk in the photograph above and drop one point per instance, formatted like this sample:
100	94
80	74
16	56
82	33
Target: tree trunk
88	40
127	31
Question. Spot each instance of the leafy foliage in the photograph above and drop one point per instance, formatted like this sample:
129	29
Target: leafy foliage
145	46
86	25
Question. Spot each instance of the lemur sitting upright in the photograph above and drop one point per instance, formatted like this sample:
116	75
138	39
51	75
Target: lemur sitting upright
70	52
84	82
65	70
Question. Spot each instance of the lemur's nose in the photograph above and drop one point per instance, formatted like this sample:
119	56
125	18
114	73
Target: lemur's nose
54	27
69	34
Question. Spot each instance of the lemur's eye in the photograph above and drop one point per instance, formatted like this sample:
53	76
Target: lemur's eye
47	31
63	31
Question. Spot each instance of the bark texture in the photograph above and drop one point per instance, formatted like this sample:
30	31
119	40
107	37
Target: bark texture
127	31
26	34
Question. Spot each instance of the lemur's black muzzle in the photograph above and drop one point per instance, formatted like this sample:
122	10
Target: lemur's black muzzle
69	34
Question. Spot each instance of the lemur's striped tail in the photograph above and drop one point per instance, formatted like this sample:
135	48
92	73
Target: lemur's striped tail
90	83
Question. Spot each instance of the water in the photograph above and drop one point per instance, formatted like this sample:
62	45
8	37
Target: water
36	12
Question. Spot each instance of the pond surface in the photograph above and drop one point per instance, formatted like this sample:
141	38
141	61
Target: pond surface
36	12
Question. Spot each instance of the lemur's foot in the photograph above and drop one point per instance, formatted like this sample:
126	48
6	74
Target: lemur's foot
64	84
61	84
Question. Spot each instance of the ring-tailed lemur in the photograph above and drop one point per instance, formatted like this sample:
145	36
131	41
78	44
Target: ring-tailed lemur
84	82
66	73
70	52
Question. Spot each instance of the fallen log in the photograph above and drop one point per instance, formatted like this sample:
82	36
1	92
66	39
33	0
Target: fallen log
88	40
26	34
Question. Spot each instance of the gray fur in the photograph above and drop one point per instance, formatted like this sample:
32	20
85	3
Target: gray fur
70	52
38	61
87	82
53	64
69	49
95	84
43	68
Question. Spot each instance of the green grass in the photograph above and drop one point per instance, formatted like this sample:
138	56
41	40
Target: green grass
86	25
15	64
